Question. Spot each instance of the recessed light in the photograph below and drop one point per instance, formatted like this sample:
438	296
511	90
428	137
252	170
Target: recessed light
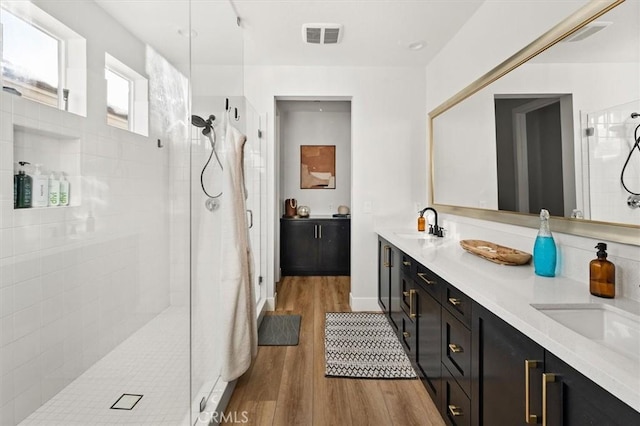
188	34
416	45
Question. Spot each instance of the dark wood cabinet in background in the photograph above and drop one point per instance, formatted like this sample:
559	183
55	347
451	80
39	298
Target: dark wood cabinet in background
315	246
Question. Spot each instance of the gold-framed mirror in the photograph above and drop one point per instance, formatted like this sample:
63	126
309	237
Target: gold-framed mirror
583	77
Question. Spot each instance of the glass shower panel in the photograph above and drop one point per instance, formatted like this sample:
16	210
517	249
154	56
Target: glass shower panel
216	72
609	138
95	305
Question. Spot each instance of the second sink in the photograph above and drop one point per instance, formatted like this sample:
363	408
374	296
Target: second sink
614	328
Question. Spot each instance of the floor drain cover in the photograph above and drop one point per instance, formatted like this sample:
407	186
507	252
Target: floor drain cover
126	402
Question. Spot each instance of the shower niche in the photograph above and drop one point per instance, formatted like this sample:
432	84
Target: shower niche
55	152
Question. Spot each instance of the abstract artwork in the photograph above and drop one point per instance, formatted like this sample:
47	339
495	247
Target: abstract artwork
318	167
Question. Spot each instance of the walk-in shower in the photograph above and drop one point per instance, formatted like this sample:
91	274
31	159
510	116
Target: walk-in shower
109	305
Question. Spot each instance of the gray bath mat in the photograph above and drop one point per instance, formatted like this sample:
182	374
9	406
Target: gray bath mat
279	330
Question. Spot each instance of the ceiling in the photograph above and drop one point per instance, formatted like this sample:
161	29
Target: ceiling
376	32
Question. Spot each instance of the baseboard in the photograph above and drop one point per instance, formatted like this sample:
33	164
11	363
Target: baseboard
270	304
364	304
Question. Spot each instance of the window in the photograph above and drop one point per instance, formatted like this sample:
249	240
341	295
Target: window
127	97
118	99
30	60
42	59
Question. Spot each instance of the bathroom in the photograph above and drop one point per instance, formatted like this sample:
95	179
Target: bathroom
137	243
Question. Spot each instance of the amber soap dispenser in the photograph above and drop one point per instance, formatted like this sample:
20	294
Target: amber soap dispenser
602	274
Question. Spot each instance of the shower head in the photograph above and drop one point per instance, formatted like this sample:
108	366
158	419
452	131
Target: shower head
201	122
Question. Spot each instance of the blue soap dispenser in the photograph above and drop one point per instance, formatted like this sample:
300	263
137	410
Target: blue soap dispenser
544	249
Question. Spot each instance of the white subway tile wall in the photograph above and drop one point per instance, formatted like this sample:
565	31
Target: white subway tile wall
77	281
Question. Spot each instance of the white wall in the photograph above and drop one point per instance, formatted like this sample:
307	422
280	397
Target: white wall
302	123
76	281
495	32
388	133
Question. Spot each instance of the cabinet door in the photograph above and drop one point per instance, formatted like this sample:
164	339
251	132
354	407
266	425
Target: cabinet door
334	238
429	339
574	400
395	288
298	247
384	274
504	362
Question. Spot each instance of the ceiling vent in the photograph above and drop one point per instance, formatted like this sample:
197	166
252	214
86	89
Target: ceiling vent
322	33
587	31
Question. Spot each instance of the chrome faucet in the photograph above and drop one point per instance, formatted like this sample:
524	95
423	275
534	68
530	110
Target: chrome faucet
433	229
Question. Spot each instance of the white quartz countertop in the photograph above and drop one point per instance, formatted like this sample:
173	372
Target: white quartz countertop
509	292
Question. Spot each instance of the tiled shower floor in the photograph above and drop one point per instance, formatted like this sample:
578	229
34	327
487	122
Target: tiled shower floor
153	362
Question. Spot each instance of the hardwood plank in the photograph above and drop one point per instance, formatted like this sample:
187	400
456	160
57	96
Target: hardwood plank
286	384
295	398
409	403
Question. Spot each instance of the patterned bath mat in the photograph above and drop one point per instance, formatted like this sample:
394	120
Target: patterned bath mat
279	330
363	345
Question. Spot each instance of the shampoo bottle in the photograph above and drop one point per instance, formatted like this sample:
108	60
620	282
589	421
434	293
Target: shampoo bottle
64	190
40	189
23	188
544	249
54	190
602	274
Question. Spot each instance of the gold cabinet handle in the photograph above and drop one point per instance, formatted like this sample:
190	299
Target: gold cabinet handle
387	250
405	293
456	349
423	277
412	293
406	334
546	379
528	417
405	263
455	410
454	301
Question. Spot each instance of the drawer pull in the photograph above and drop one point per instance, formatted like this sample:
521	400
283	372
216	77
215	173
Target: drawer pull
412	313
406	334
387	258
455	410
456	349
546	379
454	301
423	277
405	263
528	365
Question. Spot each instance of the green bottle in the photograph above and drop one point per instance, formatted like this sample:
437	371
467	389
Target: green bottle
24	185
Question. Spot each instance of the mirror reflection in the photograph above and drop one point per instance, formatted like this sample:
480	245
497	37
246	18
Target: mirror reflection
553	133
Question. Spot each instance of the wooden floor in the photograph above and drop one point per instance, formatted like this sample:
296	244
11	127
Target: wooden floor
286	384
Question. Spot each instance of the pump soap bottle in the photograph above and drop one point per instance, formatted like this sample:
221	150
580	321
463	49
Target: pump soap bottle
602	274
421	221
544	249
40	188
64	190
24	185
54	190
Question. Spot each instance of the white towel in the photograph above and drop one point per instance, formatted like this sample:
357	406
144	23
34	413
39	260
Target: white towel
239	325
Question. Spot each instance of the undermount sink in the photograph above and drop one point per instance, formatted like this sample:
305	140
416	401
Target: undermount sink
415	235
612	327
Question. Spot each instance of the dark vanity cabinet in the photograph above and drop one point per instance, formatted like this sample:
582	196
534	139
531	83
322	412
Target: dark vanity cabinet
315	246
389	282
479	370
512	375
507	369
574	400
